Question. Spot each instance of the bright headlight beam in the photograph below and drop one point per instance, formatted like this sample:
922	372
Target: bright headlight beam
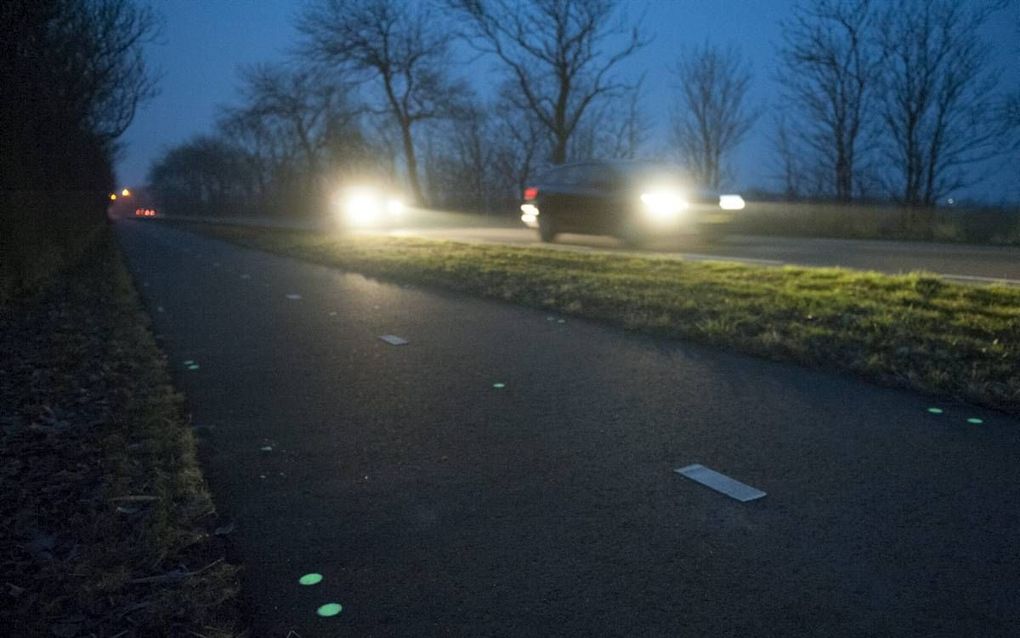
663	205
361	209
366	206
731	202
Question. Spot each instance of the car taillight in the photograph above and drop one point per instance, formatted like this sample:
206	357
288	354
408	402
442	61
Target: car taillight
531	192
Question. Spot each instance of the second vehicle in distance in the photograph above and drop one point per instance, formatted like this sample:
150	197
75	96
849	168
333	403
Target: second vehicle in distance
633	200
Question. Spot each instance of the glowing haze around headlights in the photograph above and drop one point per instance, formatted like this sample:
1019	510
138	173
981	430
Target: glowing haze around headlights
663	205
365	206
731	202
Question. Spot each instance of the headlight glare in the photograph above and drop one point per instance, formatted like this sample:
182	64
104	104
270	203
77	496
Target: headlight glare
365	206
731	202
663	205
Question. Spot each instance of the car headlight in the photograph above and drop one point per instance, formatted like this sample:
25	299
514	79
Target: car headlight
366	206
663	205
731	202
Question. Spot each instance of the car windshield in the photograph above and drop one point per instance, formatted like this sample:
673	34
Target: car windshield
643	170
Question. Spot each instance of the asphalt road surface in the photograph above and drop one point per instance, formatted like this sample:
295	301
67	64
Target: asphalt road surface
967	263
435	503
962	262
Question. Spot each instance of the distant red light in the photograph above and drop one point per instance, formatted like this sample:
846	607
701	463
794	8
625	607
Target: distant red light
531	192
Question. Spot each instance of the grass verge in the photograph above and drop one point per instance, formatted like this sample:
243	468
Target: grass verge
914	331
105	509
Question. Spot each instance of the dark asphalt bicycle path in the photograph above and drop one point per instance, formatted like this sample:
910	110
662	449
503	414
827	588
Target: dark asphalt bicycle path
436	504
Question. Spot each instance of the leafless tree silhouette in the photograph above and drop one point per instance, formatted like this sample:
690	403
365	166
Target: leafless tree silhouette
400	46
72	75
555	52
614	128
938	96
518	135
311	112
713	115
789	165
829	68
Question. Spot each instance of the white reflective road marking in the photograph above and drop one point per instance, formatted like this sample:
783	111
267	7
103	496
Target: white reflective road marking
720	483
393	340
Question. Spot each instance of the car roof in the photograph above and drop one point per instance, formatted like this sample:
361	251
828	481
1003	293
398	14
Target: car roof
624	166
628	169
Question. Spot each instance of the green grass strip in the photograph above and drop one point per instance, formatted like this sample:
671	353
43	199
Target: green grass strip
913	331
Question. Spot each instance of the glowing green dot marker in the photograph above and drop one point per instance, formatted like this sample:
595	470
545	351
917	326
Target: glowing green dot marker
974	421
498	385
193	366
329	609
935	410
310	579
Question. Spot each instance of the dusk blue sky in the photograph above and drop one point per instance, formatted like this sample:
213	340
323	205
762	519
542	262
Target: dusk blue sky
203	42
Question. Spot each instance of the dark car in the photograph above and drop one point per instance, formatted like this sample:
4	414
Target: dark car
632	200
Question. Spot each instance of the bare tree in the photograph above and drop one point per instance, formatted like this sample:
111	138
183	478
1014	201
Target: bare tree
312	112
1011	109
261	152
72	72
615	128
395	44
72	75
101	50
713	116
632	128
459	167
204	175
556	53
295	129
789	167
519	143
829	70
939	96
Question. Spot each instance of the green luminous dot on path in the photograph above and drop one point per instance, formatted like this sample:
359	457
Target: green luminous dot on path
935	410
193	366
974	421
329	609
310	579
499	385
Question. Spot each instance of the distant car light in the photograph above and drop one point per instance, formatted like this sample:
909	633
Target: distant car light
531	192
731	202
663	205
